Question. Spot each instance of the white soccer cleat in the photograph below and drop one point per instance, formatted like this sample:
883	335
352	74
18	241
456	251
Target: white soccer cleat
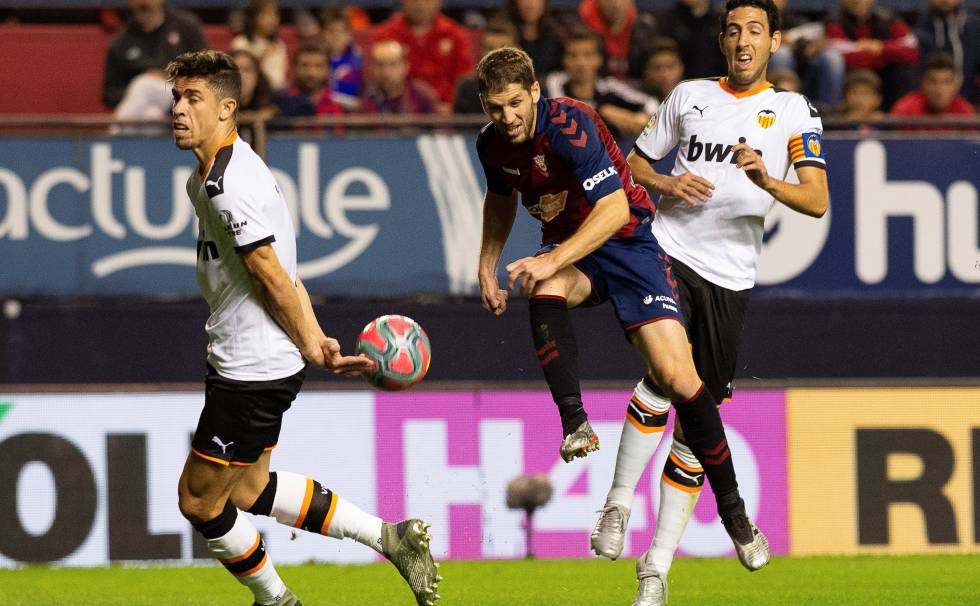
751	545
653	587
609	533
579	443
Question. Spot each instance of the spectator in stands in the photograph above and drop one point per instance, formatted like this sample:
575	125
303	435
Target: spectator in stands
785	79
390	89
309	95
862	97
663	69
256	91
939	92
438	47
154	35
256	97
624	108
806	51
497	34
538	34
626	34
694	24
346	60
947	27
261	38
873	38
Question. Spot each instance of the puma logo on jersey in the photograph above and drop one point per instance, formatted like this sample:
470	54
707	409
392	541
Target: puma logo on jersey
215	183
713	152
701	110
223	446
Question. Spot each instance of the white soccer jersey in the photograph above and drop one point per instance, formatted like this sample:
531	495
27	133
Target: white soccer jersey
239	208
721	238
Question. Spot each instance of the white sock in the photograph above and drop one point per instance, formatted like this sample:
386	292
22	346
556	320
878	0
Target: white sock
680	487
242	552
302	502
646	417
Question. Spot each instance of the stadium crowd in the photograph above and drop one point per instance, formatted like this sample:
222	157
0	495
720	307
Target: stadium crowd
860	62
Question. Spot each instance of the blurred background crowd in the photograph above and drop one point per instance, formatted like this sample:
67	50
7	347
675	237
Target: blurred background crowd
858	62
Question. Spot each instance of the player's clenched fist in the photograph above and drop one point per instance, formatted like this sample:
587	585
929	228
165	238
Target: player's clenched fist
751	162
689	187
529	271
494	297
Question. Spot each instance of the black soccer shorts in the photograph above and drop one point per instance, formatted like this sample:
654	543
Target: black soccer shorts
242	419
715	317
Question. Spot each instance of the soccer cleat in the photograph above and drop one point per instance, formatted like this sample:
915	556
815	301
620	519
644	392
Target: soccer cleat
406	544
579	443
751	545
609	533
286	599
653	587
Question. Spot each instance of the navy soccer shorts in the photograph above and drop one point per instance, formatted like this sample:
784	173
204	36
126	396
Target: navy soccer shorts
242	419
635	276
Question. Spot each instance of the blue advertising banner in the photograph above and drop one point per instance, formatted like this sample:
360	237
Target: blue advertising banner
403	215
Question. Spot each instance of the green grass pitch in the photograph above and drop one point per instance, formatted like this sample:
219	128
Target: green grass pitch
834	581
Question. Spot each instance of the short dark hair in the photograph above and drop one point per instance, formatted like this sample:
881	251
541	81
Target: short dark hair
939	61
503	67
862	77
333	13
309	48
772	13
581	33
502	27
217	69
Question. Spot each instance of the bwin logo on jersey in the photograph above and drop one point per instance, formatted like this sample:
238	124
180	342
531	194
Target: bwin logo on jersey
713	152
590	183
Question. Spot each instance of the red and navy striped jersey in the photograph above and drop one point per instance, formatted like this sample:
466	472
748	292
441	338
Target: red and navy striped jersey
571	163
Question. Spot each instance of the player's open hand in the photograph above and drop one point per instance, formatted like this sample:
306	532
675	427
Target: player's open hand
494	297
751	162
344	365
529	272
691	188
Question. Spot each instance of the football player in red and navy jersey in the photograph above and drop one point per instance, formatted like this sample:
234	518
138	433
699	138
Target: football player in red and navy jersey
597	246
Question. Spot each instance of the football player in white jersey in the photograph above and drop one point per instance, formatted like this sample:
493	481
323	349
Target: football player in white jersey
261	333
737	138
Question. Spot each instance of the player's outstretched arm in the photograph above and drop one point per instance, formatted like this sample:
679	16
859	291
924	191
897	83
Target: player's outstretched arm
332	358
498	218
274	288
688	187
811	197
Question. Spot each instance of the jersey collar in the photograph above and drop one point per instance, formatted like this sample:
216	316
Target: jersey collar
203	172
723	82
542	110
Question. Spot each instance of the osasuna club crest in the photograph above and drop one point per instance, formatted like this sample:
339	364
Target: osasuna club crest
541	164
766	118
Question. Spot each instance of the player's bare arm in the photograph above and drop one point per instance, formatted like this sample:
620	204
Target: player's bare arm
272	285
689	187
498	218
810	197
333	360
610	214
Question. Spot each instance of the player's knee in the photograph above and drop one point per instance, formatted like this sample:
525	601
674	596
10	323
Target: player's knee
196	508
677	381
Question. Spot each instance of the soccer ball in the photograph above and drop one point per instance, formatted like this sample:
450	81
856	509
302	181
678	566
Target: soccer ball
400	348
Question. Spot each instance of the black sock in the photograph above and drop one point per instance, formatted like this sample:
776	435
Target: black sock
554	342
263	504
705	435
